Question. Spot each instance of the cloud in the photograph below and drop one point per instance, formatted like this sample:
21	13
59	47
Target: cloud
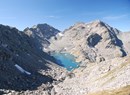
115	17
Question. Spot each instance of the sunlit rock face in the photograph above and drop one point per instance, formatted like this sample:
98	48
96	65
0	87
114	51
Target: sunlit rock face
101	51
90	42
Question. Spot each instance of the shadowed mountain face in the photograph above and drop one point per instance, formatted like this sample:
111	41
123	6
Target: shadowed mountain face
27	69
90	42
125	38
41	34
20	61
93	40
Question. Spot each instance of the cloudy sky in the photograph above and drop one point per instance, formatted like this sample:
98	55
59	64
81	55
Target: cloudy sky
64	13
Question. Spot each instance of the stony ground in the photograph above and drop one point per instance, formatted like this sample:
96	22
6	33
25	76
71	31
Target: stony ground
23	67
122	91
103	51
111	74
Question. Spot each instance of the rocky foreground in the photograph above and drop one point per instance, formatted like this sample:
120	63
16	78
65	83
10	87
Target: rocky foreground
103	53
27	68
97	77
24	67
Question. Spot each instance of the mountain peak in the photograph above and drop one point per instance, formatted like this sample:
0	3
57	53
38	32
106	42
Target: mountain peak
42	28
98	22
44	25
78	23
41	33
97	35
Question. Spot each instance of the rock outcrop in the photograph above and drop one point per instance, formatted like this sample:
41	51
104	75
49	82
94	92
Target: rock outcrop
104	56
26	68
22	66
125	38
41	35
90	42
106	76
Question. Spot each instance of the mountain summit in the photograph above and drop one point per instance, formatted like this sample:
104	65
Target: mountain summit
94	41
41	34
104	59
28	65
23	66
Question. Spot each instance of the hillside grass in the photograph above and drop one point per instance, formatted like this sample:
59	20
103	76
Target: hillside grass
121	91
111	74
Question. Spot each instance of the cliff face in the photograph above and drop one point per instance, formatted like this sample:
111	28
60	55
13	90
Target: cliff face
41	35
22	65
26	69
90	42
125	37
104	56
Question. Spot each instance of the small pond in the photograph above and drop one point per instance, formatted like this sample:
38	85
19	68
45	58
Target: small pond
66	60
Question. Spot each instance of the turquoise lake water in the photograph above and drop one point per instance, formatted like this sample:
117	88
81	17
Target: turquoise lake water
66	60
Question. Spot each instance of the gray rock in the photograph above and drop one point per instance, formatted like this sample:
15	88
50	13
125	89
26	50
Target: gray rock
14	49
86	41
41	34
93	39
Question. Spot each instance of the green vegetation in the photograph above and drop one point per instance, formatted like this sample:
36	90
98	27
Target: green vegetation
111	73
121	91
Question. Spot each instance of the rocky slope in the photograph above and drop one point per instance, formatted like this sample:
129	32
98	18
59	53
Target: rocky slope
121	91
90	42
125	37
22	66
103	53
41	34
97	77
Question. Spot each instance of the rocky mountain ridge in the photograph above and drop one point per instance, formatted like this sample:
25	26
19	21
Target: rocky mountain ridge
41	33
103	55
95	41
23	66
27	68
97	77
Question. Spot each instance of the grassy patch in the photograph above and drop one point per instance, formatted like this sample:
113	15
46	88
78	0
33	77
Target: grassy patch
121	91
111	73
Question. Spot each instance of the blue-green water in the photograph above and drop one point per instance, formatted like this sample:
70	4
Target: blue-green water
66	60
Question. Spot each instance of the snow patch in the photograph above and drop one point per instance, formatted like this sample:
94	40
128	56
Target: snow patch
65	48
60	34
44	49
21	69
